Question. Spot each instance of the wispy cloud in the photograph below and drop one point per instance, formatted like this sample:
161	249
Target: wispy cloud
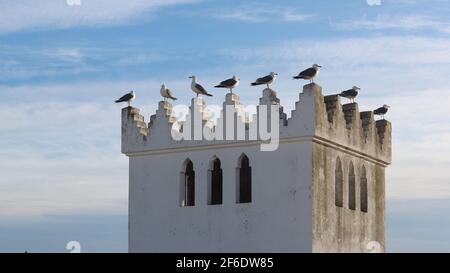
57	14
400	22
261	13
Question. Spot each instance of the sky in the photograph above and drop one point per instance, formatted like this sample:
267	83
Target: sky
63	62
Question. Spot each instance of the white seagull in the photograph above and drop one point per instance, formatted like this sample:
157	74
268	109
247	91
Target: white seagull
166	93
229	84
127	98
309	74
267	80
197	88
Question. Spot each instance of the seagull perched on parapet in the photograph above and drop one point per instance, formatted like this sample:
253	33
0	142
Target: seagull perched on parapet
382	111
229	84
166	93
127	98
197	88
309	74
266	80
350	94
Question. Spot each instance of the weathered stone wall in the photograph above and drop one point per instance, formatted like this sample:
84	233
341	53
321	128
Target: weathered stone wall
356	138
341	229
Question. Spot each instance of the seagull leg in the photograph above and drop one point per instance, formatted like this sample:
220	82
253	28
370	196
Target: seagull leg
129	103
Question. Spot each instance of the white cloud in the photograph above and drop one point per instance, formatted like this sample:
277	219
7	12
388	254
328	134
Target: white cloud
261	13
57	14
401	22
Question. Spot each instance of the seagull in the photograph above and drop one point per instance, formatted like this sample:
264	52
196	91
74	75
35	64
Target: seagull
350	94
166	93
382	111
127	98
309	74
230	83
266	80
197	88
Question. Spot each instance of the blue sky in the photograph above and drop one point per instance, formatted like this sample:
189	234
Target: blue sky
61	66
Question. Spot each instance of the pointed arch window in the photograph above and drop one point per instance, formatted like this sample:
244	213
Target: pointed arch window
188	185
338	184
216	183
363	186
245	180
351	188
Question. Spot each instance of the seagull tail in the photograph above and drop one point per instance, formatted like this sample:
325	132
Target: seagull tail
219	86
209	95
255	83
296	77
117	101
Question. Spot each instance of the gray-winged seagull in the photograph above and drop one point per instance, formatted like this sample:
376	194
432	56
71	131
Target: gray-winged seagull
197	88
266	80
166	93
309	74
127	98
229	84
382	111
350	94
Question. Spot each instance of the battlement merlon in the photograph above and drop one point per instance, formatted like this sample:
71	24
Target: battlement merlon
323	118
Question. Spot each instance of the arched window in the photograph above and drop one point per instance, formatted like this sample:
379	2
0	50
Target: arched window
188	185
363	183
245	181
351	188
216	184
338	184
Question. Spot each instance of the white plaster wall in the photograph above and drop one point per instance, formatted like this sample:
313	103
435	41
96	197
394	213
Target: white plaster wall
279	219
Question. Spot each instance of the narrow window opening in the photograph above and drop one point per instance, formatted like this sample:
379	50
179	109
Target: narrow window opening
245	181
216	183
189	185
364	194
351	188
338	184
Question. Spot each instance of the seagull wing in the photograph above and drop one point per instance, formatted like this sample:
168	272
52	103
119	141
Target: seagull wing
229	82
265	79
351	93
380	111
124	98
200	89
170	94
306	74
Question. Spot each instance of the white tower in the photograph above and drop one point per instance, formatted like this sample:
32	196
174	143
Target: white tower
322	190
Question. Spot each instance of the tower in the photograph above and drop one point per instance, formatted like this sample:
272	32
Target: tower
321	190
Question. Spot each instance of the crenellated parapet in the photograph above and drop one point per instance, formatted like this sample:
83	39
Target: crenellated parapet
315	117
346	126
